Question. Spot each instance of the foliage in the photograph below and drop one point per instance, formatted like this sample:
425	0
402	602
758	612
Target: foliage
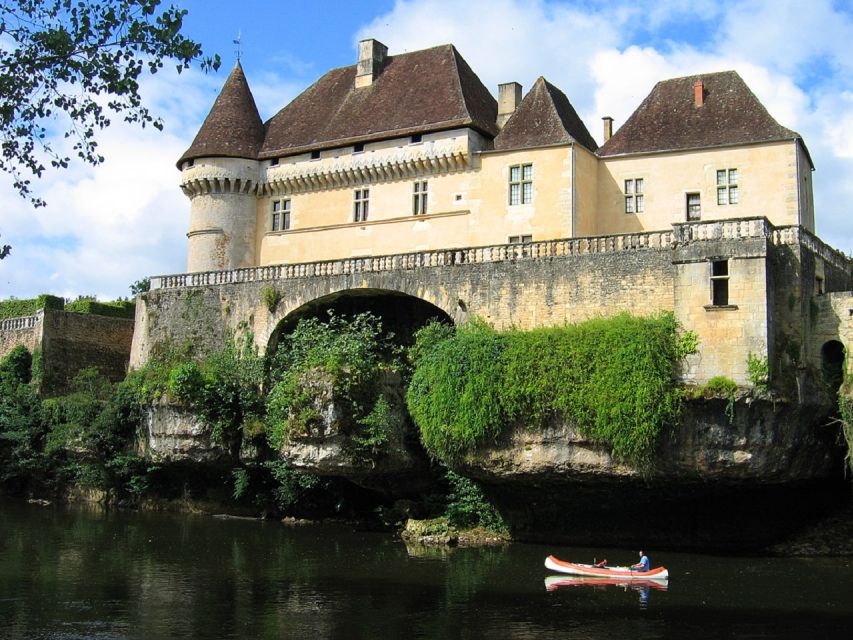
74	65
223	389
369	440
340	359
114	309
143	285
291	486
723	387
17	364
758	372
14	308
454	394
271	298
614	378
22	431
427	337
467	506
845	407
241	482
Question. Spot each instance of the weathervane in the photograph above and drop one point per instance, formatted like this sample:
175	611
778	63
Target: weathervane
237	42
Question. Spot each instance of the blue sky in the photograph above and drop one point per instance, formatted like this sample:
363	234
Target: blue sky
108	226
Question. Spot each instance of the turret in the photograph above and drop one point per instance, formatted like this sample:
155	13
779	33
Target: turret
219	174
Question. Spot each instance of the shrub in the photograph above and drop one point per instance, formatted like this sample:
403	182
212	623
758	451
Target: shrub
14	308
614	378
723	387
18	364
271	298
467	505
758	372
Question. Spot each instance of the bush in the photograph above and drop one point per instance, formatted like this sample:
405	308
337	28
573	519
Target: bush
758	372
614	378
13	308
113	309
467	506
18	365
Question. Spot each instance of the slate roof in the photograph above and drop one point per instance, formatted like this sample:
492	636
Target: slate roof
544	117
668	119
417	92
233	128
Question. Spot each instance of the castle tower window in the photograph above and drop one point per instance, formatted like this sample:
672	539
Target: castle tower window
521	184
280	215
360	204
727	191
358	148
315	155
720	283
417	137
694	207
419	198
273	162
635	199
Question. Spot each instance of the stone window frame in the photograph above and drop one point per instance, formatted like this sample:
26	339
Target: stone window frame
728	192
719	277
520	184
693	209
360	204
280	214
635	195
420	193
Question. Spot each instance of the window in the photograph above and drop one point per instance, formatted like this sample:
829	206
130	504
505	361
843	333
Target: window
635	199
520	239
360	203
720	283
419	198
694	207
727	191
358	148
418	137
315	155
273	162
280	215
521	184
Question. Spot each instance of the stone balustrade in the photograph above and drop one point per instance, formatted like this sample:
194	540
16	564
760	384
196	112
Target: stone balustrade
742	228
21	323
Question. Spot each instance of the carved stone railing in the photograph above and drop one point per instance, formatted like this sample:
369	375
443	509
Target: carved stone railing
21	322
681	233
797	235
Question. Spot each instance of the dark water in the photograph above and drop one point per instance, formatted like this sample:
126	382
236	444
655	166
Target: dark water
77	573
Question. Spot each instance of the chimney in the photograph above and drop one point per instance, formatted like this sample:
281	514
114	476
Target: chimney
371	59
698	93
608	127
509	95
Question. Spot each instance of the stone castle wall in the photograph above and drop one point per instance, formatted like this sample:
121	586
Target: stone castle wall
70	342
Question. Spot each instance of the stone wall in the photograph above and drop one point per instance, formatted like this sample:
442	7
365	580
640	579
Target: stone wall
25	331
70	342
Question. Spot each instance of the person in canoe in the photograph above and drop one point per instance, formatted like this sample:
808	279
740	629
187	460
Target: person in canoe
643	564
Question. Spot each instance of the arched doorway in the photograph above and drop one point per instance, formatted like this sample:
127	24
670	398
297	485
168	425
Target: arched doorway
832	355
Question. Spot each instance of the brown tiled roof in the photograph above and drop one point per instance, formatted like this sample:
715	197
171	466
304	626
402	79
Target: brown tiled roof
544	117
668	119
233	128
416	92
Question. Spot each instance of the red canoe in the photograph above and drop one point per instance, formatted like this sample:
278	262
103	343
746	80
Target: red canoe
592	571
555	582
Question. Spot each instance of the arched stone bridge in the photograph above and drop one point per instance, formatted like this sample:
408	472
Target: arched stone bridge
772	271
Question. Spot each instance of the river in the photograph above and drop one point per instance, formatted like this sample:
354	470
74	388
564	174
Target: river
69	572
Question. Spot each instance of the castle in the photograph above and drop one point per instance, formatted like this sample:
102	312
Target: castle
412	153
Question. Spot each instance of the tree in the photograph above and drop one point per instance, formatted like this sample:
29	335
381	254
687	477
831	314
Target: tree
72	64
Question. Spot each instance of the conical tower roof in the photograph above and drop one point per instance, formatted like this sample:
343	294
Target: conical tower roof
544	117
233	128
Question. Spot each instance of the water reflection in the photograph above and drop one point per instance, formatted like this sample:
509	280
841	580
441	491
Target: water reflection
642	587
67	573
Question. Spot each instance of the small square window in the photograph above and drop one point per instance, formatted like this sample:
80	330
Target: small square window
273	162
418	137
358	148
315	155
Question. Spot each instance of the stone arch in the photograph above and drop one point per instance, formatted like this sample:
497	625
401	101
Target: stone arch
832	357
401	312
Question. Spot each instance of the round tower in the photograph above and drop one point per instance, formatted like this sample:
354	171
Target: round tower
219	174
